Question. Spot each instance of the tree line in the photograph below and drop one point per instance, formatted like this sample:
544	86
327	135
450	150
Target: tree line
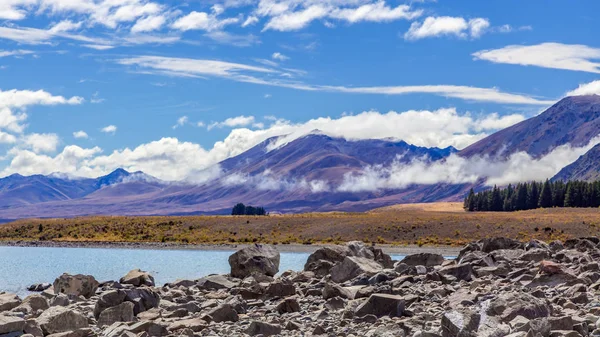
241	209
532	195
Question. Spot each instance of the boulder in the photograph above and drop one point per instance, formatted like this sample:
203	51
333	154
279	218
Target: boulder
222	313
215	282
489	245
138	278
462	271
61	319
32	304
142	298
256	259
456	323
352	266
119	313
194	324
381	305
288	305
509	305
77	285
323	259
8	301
423	259
10	324
109	299
263	329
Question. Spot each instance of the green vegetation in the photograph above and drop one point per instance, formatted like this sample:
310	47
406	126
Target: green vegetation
526	196
241	209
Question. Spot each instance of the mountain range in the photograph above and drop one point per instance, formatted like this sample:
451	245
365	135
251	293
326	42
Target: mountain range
304	174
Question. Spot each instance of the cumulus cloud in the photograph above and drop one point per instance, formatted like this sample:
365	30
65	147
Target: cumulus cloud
149	24
547	55
458	170
203	21
446	26
591	88
80	134
233	122
41	142
269	76
13	104
109	129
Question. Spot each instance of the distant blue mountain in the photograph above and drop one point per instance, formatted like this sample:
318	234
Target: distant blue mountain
18	190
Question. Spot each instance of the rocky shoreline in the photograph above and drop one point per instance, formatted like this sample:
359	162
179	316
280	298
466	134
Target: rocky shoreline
288	248
495	287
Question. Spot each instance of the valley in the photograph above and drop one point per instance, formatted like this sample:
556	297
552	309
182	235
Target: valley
435	224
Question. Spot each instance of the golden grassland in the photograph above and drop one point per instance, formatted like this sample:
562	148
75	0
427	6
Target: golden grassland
425	224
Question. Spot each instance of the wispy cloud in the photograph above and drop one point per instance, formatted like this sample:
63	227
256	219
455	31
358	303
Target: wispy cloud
547	55
185	67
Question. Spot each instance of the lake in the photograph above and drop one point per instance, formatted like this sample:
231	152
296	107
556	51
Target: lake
23	266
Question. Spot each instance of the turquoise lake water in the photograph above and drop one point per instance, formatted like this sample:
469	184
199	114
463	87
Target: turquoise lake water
23	266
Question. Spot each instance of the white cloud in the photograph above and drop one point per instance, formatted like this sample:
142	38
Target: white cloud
296	20
41	142
109	129
22	98
70	160
65	26
251	20
149	24
96	99
80	134
547	55
458	170
202	21
7	138
295	15
232	122
445	26
20	52
279	56
181	121
98	46
591	88
375	12
185	67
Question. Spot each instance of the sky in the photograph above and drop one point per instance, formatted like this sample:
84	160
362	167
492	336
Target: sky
172	87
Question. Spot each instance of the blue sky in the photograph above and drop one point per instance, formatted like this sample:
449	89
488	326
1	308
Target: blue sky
92	85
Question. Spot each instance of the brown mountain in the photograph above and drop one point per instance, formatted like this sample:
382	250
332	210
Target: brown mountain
574	120
587	167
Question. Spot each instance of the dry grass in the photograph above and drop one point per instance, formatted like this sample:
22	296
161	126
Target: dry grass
437	224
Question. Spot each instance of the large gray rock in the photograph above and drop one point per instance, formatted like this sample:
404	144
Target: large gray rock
323	259
222	313
10	324
256	259
509	305
32	304
120	313
489	245
142	298
61	319
8	301
457	323
263	328
462	271
423	259
353	266
215	282
138	278
77	285
381	305
109	299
